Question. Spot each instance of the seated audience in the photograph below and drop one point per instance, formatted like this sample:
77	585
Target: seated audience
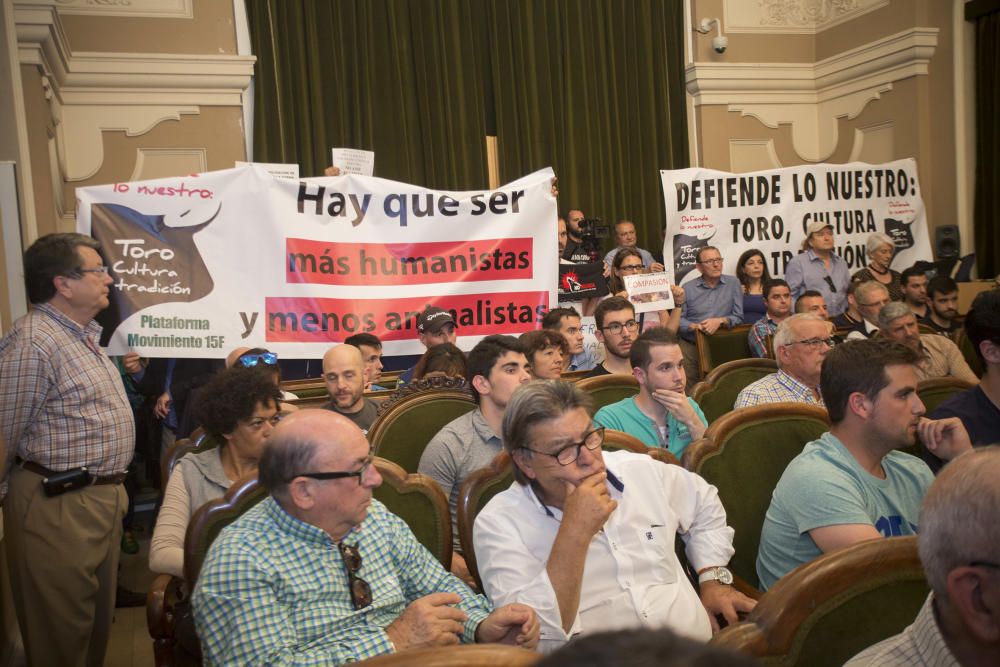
811	302
913	282
644	648
575	509
547	352
800	345
979	407
851	317
853	484
497	366
942	300
267	362
626	263
238	408
616	328
344	375
751	271
960	553
711	302
819	268
778	299
881	249
321	573
567	322
435	326
870	297
371	353
660	415
625	237
442	360
939	356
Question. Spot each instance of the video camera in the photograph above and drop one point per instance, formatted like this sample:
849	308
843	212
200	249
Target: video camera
592	230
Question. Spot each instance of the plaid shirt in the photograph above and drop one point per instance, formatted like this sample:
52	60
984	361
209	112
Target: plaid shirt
62	401
274	590
757	338
921	644
777	387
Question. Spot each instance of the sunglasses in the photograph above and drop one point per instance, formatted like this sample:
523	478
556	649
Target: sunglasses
361	592
829	282
251	360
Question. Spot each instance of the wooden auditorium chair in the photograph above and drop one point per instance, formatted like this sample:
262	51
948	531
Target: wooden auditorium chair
608	389
717	393
419	501
824	612
722	346
463	655
743	454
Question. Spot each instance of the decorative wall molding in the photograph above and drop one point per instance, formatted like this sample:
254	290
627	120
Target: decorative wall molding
752	155
874	144
151	163
812	97
793	16
173	9
90	92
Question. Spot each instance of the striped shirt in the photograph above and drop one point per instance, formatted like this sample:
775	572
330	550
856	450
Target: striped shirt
777	387
275	590
62	401
919	645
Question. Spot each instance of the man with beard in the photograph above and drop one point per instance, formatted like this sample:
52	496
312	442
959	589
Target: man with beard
616	328
344	375
939	357
942	301
914	284
660	415
852	484
778	299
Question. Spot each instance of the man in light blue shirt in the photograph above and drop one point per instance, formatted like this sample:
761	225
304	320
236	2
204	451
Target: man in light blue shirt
820	268
711	302
853	484
660	415
626	237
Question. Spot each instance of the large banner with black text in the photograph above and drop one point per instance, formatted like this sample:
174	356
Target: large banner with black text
205	263
770	210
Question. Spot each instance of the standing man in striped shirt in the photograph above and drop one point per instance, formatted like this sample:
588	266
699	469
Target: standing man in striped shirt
71	435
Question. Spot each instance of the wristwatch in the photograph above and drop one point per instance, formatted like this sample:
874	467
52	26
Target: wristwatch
720	574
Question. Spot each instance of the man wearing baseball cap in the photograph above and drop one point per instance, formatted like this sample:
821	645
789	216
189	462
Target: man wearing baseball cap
819	268
436	326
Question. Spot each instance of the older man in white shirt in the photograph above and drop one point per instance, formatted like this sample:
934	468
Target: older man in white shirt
587	538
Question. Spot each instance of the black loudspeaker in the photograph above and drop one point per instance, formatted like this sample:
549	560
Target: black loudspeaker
947	242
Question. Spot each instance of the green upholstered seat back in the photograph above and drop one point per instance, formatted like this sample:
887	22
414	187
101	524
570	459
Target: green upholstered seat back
401	434
725	345
745	469
429	521
718	399
608	389
933	394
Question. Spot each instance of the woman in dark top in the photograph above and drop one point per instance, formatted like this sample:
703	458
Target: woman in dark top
752	273
881	250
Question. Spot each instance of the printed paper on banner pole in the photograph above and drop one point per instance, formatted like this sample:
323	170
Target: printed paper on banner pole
770	210
205	263
353	161
649	292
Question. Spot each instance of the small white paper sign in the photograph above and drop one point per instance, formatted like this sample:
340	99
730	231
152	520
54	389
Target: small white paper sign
353	161
275	169
649	292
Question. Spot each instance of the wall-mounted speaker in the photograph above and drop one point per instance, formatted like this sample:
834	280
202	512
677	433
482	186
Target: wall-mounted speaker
947	242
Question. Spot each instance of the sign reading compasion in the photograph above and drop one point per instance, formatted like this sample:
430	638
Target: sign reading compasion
209	262
770	210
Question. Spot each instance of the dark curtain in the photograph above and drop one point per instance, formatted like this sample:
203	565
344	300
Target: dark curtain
398	77
986	221
596	90
593	88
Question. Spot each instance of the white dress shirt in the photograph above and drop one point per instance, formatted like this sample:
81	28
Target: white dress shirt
632	577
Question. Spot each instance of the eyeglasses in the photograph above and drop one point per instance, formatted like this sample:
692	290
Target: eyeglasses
876	304
984	563
251	360
814	342
829	283
361	592
571	452
616	328
629	268
359	473
715	261
97	269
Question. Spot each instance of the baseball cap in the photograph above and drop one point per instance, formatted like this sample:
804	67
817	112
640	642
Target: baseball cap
817	226
433	319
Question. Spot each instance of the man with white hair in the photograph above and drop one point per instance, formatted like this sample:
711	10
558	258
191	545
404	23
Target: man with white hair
870	297
959	623
800	345
939	357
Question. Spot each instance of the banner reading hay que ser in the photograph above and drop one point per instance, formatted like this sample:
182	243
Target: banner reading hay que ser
212	261
770	210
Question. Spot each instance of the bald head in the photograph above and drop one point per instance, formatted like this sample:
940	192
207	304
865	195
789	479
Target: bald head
234	355
344	375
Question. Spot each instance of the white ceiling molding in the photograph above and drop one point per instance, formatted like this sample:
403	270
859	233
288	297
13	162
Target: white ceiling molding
90	92
812	97
803	17
173	9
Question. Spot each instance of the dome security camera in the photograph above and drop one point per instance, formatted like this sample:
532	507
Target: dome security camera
720	43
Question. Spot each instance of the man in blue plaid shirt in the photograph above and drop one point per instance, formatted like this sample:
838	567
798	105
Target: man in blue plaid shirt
319	573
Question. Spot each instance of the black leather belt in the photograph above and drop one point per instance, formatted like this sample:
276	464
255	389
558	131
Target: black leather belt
31	466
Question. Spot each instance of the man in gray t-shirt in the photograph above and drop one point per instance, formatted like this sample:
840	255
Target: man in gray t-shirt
344	375
851	485
496	367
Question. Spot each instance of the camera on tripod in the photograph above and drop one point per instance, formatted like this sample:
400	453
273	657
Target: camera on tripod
592	230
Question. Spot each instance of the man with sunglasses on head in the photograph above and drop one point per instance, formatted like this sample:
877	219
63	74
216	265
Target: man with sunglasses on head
70	436
616	329
800	345
818	267
586	537
712	302
321	573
